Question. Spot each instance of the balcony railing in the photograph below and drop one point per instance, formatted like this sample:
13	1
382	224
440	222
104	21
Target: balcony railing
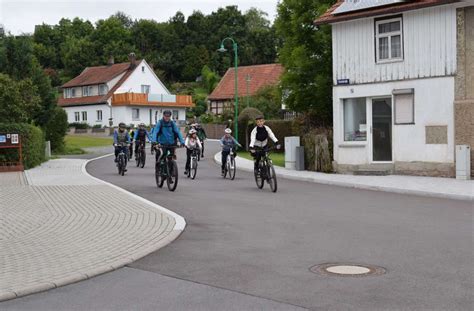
158	100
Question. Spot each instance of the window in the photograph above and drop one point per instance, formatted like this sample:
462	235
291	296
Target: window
404	106
175	114
355	119
99	115
73	92
67	93
389	39
102	89
143	68
77	116
146	89
84	116
87	91
135	114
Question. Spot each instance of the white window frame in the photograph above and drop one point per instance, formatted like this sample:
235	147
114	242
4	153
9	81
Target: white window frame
73	92
147	87
137	116
99	115
175	114
85	91
77	116
84	115
103	89
343	125
388	35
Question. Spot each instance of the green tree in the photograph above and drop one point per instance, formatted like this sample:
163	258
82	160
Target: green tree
19	102
267	100
306	55
56	129
209	78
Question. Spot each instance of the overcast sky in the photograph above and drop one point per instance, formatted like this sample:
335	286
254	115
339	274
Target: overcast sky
21	16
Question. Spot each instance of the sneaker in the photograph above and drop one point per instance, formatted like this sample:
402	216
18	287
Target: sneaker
115	160
125	170
186	172
222	172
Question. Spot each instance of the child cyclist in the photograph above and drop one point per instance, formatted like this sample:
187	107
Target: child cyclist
192	142
228	143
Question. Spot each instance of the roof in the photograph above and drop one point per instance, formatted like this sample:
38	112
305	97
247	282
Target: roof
328	17
91	100
260	75
98	74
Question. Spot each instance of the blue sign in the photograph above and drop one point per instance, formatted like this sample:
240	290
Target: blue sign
343	81
3	139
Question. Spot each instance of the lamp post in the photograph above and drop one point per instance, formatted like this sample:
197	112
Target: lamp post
236	100
248	79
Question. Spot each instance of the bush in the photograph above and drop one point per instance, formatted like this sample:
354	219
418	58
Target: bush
281	129
207	118
79	125
56	129
97	126
32	142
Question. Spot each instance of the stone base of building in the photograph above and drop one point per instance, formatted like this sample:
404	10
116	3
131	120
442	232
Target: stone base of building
433	169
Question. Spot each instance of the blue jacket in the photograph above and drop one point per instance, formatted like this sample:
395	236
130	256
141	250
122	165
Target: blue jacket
146	135
127	137
228	143
165	133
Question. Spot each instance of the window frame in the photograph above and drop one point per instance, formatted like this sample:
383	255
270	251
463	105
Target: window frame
137	118
84	113
389	35
77	116
105	88
73	92
85	91
148	88
343	123
99	113
394	101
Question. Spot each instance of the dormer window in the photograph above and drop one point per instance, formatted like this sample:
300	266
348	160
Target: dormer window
73	92
389	39
102	89
87	91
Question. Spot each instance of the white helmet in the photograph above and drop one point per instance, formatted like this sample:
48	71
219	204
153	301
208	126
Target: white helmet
192	131
228	131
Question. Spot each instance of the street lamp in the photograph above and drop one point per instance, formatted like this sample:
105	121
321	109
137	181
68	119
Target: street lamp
248	79
222	49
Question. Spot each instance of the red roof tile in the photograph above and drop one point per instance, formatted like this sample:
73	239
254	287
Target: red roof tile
98	74
329	17
260	75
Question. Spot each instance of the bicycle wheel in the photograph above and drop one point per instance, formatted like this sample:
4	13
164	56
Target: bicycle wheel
232	167
258	178
119	164
172	180
143	158
194	166
271	178
122	165
158	176
137	158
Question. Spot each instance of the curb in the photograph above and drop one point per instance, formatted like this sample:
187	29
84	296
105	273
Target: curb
362	186
108	266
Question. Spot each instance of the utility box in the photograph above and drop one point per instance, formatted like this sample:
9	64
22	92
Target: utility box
291	143
300	158
463	162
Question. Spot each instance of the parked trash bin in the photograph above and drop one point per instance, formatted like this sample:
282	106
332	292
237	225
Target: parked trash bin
300	158
463	162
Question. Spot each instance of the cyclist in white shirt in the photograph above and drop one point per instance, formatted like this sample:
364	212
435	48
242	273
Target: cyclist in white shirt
259	140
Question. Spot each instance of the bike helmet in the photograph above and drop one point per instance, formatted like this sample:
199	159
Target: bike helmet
141	125
122	125
192	131
228	131
167	113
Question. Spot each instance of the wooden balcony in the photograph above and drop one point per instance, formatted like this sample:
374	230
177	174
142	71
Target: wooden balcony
153	100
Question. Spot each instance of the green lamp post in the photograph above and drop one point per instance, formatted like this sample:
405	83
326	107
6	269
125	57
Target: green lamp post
236	100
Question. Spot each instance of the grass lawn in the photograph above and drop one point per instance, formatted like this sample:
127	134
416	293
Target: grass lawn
277	158
75	143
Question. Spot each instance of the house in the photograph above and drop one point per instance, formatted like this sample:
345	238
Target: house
403	94
125	92
250	80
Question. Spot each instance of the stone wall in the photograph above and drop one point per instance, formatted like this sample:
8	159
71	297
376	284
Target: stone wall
214	131
464	103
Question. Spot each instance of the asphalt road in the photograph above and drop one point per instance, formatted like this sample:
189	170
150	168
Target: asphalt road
240	240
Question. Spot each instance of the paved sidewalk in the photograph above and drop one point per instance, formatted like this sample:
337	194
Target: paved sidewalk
65	226
448	188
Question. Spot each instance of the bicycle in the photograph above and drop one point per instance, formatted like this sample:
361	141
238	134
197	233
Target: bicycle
265	171
166	169
140	155
193	164
122	158
230	166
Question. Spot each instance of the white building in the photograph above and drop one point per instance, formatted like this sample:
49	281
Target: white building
394	72
126	92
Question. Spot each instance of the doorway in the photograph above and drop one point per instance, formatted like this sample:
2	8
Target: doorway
382	130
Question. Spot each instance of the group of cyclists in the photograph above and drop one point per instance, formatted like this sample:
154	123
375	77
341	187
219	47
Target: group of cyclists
165	136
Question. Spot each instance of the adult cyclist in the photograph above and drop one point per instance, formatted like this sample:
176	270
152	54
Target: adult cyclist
141	134
121	140
259	140
166	133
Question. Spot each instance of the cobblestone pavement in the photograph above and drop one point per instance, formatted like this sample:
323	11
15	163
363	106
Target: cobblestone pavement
65	226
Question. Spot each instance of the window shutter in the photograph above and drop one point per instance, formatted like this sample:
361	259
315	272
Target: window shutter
404	107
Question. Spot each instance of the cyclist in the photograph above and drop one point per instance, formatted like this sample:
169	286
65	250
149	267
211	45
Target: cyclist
228	143
201	133
259	140
121	136
166	133
141	134
192	142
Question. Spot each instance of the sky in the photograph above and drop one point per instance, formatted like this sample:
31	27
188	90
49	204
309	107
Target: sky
21	16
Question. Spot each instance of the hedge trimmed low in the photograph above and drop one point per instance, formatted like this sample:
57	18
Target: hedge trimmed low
32	141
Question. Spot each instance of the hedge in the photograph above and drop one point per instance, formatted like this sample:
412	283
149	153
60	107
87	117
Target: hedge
56	129
79	125
32	141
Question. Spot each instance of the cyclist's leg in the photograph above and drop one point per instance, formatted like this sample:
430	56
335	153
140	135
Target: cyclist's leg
202	149
137	144
116	151
224	159
188	159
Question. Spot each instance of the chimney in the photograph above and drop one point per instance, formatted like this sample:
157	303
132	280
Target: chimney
110	62
133	60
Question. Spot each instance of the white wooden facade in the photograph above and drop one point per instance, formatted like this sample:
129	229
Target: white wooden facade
427	68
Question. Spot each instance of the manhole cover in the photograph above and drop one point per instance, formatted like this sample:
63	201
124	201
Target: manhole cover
347	269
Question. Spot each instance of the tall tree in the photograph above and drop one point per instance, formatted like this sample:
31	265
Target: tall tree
306	55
